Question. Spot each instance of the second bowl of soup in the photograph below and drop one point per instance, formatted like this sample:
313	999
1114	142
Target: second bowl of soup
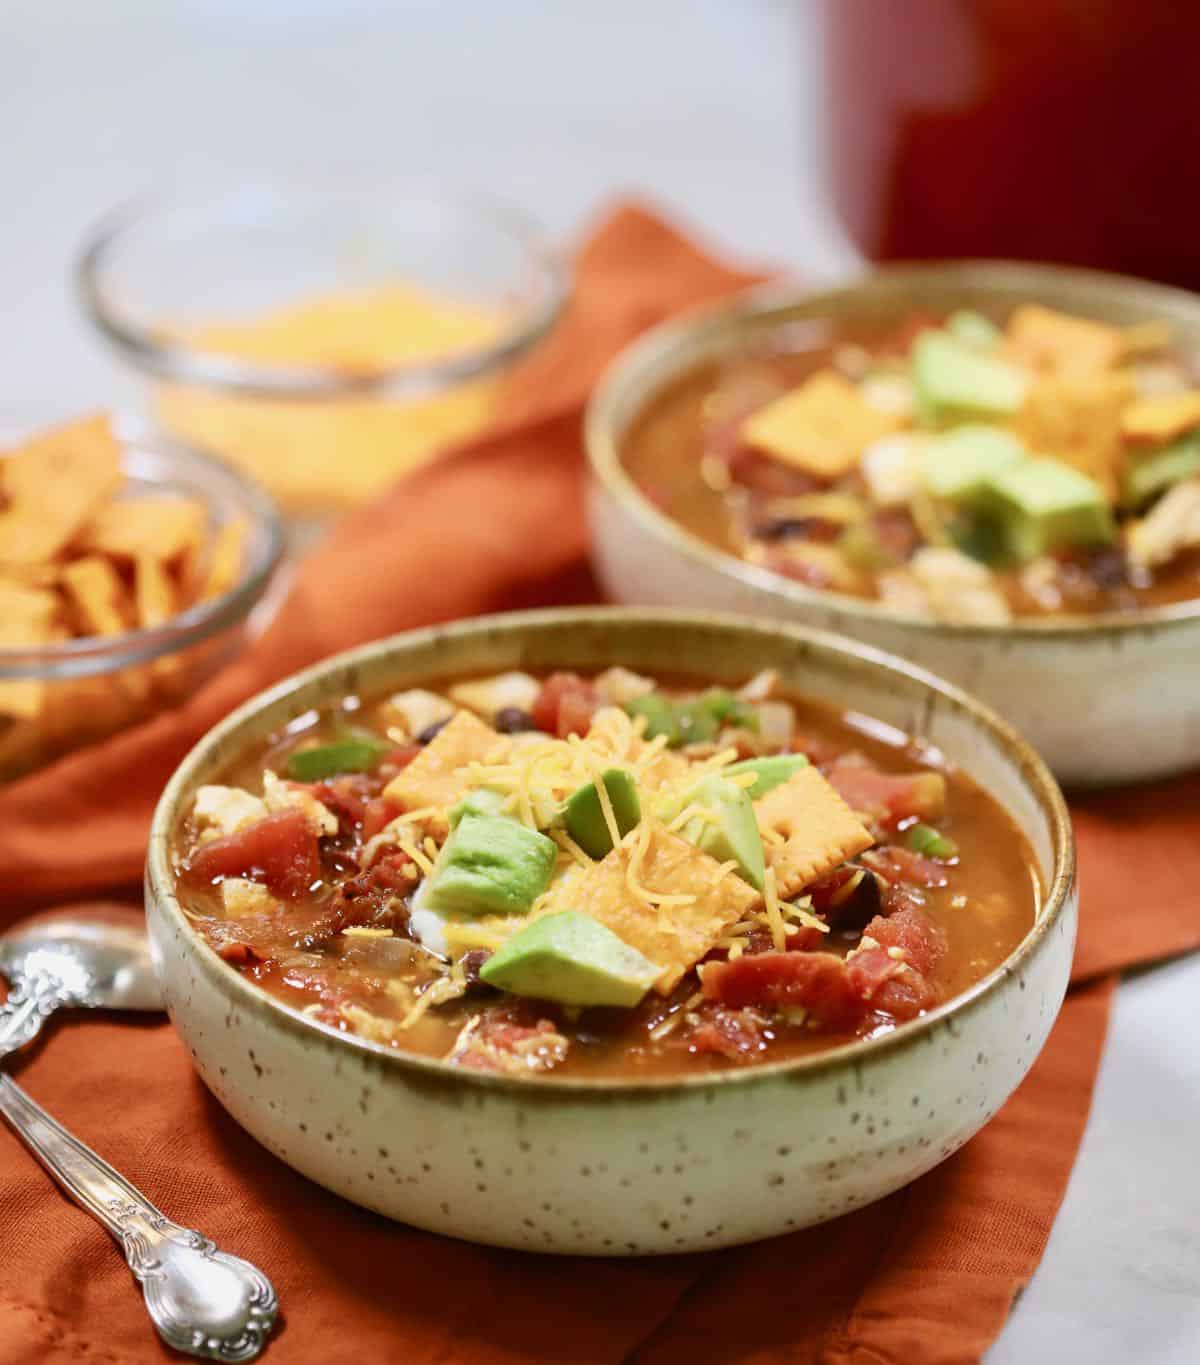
992	469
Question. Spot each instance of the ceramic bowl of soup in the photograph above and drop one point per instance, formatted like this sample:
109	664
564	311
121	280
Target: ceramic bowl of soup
612	932
991	469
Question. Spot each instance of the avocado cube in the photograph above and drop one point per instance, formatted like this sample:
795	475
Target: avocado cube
1150	475
725	827
572	959
662	716
957	464
583	816
954	381
771	771
1046	505
490	865
483	801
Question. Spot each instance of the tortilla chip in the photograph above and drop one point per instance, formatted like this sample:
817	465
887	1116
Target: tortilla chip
224	560
153	591
99	596
1077	419
1063	344
54	484
1142	339
1164	417
163	527
822	427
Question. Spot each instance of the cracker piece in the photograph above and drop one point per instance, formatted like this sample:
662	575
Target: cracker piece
820	831
822	427
1077	418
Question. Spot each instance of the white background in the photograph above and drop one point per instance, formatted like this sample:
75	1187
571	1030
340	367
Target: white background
711	108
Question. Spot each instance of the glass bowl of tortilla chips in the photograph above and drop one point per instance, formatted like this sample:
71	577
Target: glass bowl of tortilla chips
131	569
327	340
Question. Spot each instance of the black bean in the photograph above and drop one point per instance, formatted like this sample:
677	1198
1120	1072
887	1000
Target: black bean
430	731
861	906
1108	568
791	528
471	963
511	720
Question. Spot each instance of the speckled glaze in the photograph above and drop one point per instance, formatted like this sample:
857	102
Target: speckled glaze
593	1167
1104	698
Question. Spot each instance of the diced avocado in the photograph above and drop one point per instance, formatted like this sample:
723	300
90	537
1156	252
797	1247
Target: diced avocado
1046	505
957	464
1152	474
573	959
662	716
696	720
770	772
701	718
972	328
725	827
982	535
490	865
953	381
584	819
481	802
354	755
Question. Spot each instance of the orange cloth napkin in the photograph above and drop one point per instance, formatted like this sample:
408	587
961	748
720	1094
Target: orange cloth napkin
925	1277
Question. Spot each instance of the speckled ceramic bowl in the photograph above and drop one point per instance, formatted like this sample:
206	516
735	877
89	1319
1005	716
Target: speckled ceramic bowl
592	1167
1105	698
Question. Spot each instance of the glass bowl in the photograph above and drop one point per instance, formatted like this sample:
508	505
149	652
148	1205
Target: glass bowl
93	686
325	339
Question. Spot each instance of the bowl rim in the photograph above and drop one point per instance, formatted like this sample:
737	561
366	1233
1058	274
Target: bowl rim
1059	894
148	350
92	655
657	346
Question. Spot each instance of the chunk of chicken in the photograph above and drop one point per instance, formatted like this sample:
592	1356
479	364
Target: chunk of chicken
946	585
221	811
1171	526
280	795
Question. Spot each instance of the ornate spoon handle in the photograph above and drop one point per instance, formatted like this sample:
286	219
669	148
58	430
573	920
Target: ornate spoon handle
203	1301
31	1001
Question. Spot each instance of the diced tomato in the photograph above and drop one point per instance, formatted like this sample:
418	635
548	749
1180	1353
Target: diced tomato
736	1034
237	953
818	982
900	985
499	1044
900	864
770	477
890	797
910	329
922	940
345	796
378	813
396	760
565	705
280	851
890	986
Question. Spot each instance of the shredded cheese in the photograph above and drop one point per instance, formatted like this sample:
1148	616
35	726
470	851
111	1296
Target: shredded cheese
773	914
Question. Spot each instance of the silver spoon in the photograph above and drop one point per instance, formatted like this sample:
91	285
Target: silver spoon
203	1301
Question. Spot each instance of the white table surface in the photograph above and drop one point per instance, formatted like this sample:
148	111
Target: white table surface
709	107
